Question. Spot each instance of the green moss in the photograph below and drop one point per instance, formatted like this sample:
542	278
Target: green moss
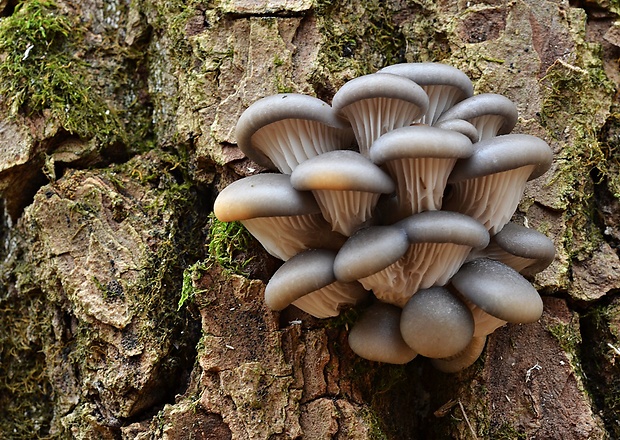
225	239
506	431
40	71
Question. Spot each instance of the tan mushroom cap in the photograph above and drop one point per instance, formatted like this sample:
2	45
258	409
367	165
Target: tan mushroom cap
283	130
310	276
376	336
463	359
444	84
499	290
436	324
377	103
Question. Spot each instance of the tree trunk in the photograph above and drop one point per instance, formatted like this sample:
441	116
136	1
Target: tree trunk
128	311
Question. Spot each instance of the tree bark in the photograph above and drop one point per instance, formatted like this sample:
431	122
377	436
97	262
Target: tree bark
127	311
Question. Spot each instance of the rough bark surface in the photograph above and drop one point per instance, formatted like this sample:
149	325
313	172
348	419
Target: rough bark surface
127	312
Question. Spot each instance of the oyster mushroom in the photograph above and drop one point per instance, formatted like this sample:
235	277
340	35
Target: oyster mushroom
281	131
445	85
378	103
308	282
463	359
346	185
499	290
419	158
436	324
524	249
376	336
489	184
285	221
490	113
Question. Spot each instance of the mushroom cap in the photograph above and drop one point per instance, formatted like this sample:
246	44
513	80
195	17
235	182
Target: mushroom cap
436	324
376	335
279	107
461	126
420	141
526	243
444	227
306	272
504	153
368	251
427	74
482	105
262	195
380	85
341	170
463	359
499	290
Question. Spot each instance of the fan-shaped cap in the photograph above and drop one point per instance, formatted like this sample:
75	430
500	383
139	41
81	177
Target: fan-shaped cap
460	126
504	153
490	105
463	359
444	84
444	227
288	106
420	141
306	274
341	170
535	248
262	195
370	250
499	290
436	324
376	336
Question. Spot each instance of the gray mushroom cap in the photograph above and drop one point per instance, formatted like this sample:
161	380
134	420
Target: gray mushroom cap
426	74
485	104
380	85
306	274
461	126
376	336
499	290
369	251
436	324
341	170
444	227
280	107
528	244
420	141
262	195
504	153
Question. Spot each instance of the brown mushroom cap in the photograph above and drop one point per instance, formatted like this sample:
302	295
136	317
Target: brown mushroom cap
262	195
305	275
323	130
436	324
499	290
376	336
378	103
492	114
444	84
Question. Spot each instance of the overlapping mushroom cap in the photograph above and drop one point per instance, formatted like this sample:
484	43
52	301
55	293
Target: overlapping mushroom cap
417	211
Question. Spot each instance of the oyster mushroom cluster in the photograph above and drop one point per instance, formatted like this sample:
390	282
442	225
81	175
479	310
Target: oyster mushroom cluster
400	193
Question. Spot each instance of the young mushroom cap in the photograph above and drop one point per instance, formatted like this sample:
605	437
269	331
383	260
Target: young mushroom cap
490	113
420	158
346	185
436	324
306	276
281	131
463	359
499	290
285	221
369	251
378	103
376	336
444	84
524	249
